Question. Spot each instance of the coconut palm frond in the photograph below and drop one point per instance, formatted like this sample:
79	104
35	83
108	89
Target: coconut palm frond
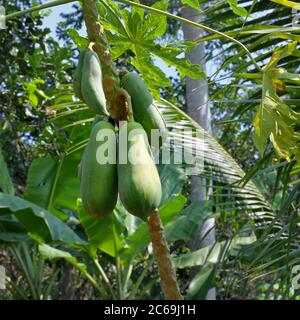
219	166
238	199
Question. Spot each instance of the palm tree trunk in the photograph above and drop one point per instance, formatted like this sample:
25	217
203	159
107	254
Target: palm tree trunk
198	108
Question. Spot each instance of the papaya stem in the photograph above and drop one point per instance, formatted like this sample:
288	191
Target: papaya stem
129	111
98	42
167	273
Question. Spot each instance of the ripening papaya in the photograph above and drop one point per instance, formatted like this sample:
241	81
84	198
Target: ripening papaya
138	180
99	183
88	84
144	109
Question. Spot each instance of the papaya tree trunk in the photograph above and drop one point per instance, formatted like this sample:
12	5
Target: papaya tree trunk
164	262
198	108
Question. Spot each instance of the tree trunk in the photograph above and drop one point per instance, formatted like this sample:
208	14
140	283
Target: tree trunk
198	109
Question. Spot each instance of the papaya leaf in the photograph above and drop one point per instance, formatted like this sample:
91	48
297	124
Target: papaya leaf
136	10
153	76
154	25
119	47
136	31
38	220
5	181
134	26
179	47
149	26
169	55
80	41
111	17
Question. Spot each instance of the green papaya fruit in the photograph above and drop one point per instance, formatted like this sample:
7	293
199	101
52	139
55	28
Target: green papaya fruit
96	120
78	75
144	109
99	183
138	180
91	83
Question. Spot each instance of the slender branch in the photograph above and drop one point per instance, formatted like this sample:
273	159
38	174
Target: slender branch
164	262
38	8
98	41
195	24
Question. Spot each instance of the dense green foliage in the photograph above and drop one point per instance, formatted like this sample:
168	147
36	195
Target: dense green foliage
53	249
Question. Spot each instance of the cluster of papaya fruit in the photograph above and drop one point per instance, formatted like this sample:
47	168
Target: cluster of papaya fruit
137	182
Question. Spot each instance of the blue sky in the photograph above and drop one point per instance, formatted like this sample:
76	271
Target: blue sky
52	20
